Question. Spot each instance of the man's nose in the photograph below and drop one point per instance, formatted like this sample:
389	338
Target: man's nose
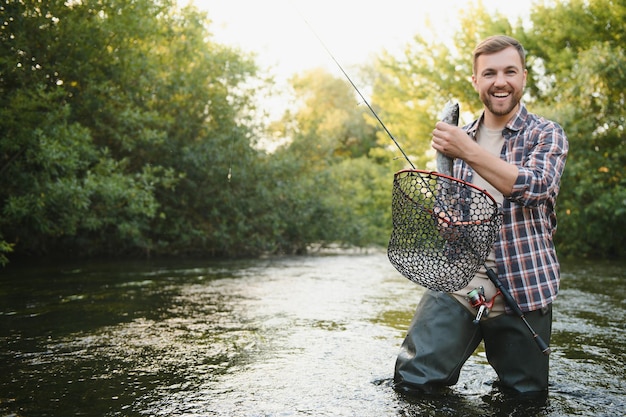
500	79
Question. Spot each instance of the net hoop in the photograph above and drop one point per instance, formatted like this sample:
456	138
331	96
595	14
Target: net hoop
443	229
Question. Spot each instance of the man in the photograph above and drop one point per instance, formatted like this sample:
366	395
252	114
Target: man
518	157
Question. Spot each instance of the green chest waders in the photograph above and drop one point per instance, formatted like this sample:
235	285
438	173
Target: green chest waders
442	336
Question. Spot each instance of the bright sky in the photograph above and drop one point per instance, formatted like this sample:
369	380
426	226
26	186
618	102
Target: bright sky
283	33
353	30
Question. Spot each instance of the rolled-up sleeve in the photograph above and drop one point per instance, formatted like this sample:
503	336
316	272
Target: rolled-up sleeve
542	152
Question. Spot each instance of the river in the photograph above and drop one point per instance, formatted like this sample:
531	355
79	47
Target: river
315	335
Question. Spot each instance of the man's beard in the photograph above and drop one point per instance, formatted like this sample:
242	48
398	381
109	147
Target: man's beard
516	97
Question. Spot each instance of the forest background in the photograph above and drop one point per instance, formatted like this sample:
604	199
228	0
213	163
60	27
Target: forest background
125	130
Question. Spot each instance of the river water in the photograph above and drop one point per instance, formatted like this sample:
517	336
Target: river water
296	336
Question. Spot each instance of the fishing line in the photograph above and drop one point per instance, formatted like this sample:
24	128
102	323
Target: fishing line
354	86
408	240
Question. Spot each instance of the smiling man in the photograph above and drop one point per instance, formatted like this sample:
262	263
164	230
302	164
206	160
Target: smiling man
518	157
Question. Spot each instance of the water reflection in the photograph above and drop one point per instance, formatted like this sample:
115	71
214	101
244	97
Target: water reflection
305	336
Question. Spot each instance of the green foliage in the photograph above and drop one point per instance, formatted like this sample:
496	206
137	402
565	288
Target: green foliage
104	101
336	193
584	85
327	125
361	202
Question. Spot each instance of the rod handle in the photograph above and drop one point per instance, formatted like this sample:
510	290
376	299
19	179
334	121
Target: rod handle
543	346
545	349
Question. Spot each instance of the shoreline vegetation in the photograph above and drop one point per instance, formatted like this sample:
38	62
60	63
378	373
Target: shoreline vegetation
128	132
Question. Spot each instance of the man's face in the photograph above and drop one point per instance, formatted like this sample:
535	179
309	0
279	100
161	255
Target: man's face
499	80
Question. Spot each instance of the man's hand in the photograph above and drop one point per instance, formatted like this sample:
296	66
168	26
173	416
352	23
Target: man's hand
454	142
451	140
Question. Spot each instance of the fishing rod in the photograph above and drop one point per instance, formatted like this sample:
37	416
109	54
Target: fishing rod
356	89
545	349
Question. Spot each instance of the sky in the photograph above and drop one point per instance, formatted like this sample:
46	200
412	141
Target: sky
284	33
291	36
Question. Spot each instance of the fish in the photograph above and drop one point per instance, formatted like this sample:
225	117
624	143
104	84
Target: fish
450	115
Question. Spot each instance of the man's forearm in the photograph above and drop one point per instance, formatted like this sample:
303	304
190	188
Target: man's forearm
494	170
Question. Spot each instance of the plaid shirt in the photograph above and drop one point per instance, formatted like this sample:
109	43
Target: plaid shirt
525	255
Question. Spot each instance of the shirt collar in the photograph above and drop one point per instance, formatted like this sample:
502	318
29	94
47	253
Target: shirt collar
515	124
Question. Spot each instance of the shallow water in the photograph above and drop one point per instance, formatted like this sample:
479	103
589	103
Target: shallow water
296	336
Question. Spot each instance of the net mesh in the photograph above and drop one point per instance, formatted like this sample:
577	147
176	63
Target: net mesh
443	229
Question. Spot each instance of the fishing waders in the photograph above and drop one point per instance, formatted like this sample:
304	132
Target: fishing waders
442	336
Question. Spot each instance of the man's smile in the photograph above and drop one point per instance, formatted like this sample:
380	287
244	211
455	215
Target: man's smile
501	94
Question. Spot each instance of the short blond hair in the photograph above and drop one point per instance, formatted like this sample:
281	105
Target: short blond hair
497	43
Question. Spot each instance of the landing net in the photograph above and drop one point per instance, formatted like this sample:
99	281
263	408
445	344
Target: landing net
443	229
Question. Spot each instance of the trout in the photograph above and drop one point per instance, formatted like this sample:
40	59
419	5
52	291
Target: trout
450	116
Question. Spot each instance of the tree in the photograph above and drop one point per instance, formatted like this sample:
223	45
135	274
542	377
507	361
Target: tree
583	84
330	143
327	123
55	181
112	112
